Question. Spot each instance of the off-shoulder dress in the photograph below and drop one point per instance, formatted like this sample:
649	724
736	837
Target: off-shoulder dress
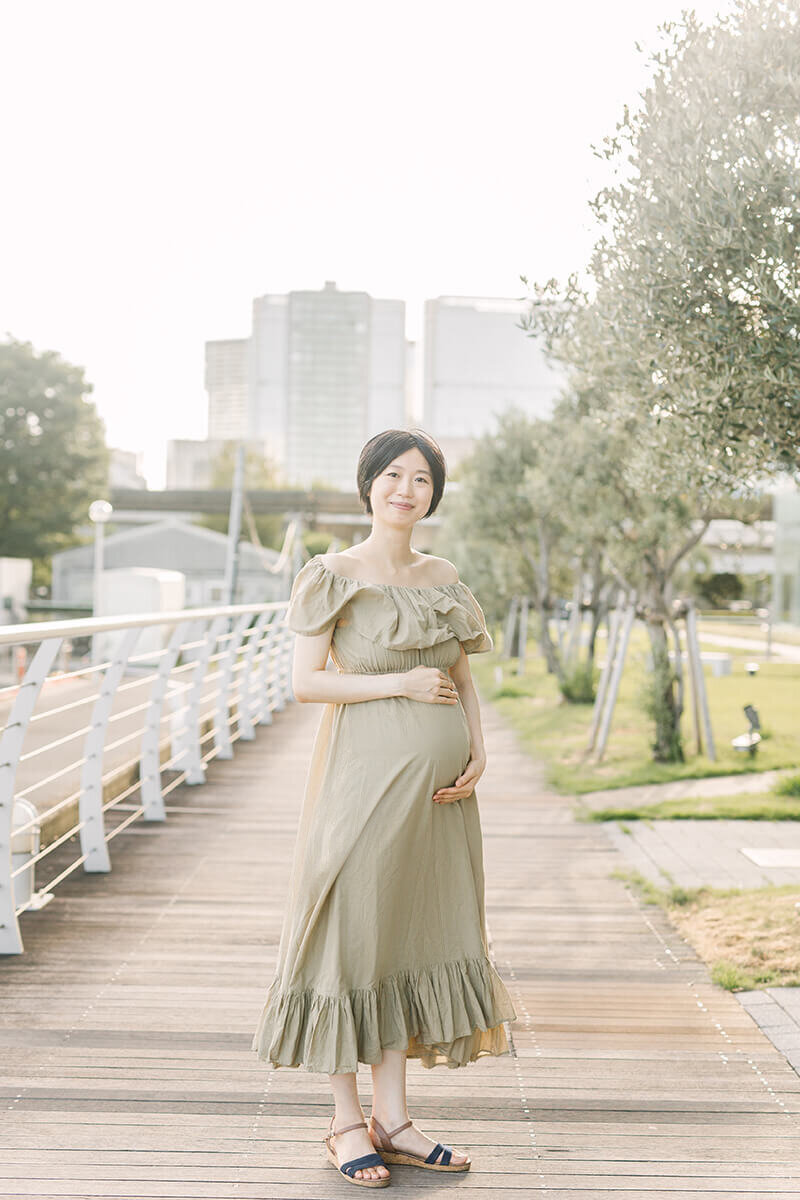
383	944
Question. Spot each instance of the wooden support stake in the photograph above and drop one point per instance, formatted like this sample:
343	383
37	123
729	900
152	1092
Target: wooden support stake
698	732
693	648
608	666
574	624
523	635
616	676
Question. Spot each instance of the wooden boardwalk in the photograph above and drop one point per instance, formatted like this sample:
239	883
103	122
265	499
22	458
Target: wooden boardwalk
126	1025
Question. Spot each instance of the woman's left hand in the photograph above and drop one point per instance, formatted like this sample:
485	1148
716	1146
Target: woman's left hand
465	784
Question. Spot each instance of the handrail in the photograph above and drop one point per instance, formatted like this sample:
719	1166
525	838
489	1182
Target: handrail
37	631
215	674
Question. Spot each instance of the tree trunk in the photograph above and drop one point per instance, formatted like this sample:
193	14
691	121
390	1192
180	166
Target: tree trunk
551	656
598	605
666	707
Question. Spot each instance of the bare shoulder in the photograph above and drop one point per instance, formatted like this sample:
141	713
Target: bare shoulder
340	562
440	570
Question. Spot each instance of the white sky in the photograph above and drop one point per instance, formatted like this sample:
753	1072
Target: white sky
166	162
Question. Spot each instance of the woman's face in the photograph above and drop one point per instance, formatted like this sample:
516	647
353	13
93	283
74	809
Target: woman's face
403	491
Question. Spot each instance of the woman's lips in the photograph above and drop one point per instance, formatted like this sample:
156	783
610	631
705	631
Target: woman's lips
395	504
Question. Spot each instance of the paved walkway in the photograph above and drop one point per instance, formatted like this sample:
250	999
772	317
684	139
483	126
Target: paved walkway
753	783
125	1026
787	651
726	854
777	1011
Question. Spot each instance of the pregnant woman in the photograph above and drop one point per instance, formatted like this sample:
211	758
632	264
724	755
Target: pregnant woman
383	953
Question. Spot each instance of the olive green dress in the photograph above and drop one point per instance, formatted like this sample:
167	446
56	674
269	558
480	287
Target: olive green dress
383	943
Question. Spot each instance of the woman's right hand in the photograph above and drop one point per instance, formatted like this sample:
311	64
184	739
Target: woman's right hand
430	685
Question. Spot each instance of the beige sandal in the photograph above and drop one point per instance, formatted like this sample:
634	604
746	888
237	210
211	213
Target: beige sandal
349	1168
402	1157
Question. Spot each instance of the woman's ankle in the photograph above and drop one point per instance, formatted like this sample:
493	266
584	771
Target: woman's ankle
389	1119
347	1117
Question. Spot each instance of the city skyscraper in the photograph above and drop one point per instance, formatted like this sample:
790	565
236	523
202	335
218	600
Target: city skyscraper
478	363
227	388
324	370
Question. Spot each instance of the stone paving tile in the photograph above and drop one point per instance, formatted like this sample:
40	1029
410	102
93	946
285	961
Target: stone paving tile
693	852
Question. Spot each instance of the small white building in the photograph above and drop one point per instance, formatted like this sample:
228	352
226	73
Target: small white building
15	584
176	545
739	548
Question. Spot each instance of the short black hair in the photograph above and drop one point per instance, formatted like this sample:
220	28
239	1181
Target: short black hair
384	447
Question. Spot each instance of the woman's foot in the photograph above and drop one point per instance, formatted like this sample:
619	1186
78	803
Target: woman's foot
354	1144
410	1140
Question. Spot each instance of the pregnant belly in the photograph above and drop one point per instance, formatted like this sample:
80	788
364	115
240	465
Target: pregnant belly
429	740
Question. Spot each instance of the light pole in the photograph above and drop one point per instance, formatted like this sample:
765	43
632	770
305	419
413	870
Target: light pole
99	513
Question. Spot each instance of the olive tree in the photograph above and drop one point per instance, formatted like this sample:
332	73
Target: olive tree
690	308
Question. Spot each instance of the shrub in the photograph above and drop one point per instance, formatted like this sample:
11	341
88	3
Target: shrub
579	685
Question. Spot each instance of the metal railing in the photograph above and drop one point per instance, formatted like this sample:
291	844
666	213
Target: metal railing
207	678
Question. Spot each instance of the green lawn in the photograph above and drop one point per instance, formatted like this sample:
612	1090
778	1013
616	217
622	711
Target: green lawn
556	732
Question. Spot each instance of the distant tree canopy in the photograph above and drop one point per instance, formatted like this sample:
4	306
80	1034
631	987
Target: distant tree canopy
691	310
53	456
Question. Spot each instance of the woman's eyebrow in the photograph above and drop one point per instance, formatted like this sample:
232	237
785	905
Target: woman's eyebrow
421	470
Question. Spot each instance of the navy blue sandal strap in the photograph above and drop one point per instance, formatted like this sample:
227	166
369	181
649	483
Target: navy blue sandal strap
366	1160
435	1152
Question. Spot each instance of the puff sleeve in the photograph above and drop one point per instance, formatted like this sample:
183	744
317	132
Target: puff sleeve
317	598
476	638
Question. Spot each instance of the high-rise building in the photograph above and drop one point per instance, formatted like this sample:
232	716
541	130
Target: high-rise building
227	387
125	469
190	463
478	363
325	370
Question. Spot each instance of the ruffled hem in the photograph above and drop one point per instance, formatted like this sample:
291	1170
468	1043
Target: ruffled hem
398	617
447	1015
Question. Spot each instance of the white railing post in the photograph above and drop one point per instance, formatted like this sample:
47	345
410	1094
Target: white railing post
247	698
283	666
266	672
222	736
194	766
10	750
288	650
90	802
150	768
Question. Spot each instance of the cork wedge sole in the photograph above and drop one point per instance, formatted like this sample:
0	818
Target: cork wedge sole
395	1157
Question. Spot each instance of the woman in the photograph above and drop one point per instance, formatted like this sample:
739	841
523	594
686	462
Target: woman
383	952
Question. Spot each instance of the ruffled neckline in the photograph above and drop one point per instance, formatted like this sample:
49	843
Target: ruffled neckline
403	587
399	616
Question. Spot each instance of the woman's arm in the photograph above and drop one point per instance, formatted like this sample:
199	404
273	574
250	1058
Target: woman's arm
462	678
465	784
311	682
